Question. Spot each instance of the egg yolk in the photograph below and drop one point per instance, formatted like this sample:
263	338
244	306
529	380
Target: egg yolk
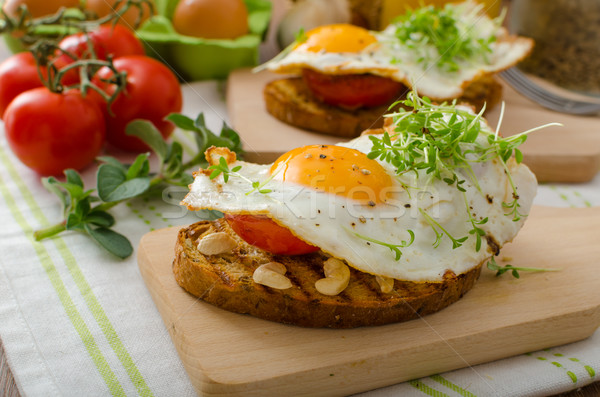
336	170
337	38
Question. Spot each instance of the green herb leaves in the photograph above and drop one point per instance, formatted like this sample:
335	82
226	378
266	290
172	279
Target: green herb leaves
121	182
434	138
223	168
395	248
81	215
500	270
445	36
86	212
444	142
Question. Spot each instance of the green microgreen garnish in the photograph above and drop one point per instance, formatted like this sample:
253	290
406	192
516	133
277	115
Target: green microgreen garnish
87	210
443	142
446	36
476	230
223	168
395	248
500	270
440	231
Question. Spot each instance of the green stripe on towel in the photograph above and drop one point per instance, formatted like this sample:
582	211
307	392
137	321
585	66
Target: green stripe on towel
452	386
430	391
84	288
63	295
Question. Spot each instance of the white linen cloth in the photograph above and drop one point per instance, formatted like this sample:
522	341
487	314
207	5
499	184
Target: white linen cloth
76	321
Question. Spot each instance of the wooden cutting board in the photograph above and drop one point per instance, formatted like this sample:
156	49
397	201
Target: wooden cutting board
570	153
232	354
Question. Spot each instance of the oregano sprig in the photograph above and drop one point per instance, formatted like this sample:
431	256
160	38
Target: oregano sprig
87	210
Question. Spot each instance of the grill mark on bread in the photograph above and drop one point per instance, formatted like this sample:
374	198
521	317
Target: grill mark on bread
225	281
290	101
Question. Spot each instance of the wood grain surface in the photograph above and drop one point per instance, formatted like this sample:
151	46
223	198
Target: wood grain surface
570	153
228	353
8	387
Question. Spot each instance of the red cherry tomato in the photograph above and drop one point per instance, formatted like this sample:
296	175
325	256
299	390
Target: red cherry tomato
107	40
262	232
118	41
50	132
152	93
353	90
18	73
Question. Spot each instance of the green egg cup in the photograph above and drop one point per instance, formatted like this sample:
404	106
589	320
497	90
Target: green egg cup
193	58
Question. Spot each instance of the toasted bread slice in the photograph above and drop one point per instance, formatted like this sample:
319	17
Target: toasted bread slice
225	280
290	101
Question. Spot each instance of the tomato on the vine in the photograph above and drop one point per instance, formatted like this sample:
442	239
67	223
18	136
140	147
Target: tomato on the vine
152	92
50	132
36	8
116	41
18	73
352	90
264	233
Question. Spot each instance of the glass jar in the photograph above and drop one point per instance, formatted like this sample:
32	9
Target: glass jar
567	41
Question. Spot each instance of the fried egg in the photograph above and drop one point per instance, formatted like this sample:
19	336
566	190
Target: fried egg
361	210
405	54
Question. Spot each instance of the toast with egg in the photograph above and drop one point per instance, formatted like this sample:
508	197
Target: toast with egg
226	281
290	101
341	77
370	231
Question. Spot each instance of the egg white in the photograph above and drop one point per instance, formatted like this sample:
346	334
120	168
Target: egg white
332	222
395	60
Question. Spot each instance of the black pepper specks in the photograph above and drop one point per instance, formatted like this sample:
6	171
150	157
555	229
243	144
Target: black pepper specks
322	156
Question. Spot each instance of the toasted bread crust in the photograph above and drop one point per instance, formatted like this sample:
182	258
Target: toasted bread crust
290	101
225	281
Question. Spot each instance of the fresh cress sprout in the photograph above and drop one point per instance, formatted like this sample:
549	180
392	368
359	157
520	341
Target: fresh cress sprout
222	168
443	142
500	270
395	248
87	210
446	36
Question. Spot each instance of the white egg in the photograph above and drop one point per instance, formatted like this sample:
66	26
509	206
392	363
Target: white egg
416	204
